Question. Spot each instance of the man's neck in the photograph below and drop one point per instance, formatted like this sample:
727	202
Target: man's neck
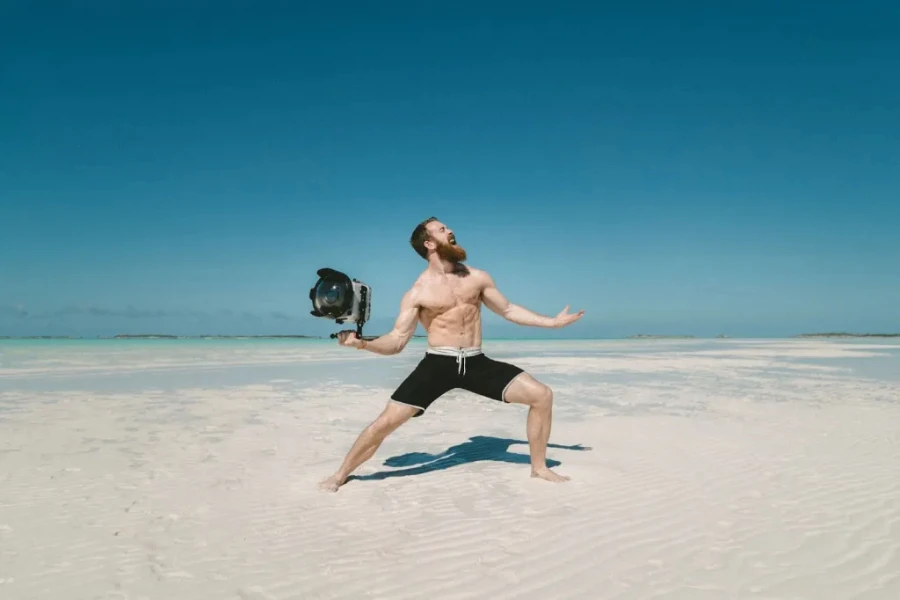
442	266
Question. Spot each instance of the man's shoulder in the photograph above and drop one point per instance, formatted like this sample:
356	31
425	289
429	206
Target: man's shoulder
418	287
420	281
479	274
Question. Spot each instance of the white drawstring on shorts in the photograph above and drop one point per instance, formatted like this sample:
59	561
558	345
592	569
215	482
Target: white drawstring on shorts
460	353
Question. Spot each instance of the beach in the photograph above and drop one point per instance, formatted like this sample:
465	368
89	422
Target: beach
173	469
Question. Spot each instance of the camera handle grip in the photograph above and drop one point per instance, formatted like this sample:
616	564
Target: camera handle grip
359	334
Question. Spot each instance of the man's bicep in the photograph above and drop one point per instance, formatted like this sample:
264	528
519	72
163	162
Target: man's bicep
493	298
408	317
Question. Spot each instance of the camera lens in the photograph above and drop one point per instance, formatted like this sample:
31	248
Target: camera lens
332	296
330	293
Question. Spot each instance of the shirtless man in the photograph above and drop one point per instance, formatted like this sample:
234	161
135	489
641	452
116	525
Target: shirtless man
447	299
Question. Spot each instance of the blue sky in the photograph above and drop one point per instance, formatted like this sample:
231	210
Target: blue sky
668	167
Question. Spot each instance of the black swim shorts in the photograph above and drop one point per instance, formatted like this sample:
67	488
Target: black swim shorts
437	374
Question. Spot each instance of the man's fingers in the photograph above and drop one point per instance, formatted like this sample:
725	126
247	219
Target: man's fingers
571	318
343	336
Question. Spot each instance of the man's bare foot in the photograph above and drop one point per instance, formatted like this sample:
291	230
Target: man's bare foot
332	483
549	475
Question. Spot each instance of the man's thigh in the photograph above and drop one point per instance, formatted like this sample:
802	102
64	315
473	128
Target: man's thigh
491	378
432	378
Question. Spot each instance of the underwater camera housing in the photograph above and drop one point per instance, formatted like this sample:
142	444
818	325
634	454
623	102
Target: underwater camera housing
337	296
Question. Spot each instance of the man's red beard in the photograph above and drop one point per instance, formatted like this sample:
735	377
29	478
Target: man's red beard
451	252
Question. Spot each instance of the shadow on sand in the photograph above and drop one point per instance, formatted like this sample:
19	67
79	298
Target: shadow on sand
476	449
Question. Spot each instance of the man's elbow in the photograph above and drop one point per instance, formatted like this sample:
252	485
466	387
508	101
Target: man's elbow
508	312
398	341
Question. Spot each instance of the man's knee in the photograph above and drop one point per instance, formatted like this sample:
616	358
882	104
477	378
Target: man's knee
543	396
525	389
393	416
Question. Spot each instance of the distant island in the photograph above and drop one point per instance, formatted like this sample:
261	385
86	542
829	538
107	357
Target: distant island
168	336
164	336
39	337
647	336
843	334
151	336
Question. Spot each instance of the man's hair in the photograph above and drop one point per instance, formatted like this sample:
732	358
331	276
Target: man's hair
419	236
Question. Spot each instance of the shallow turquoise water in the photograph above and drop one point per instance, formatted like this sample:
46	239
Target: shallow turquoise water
134	365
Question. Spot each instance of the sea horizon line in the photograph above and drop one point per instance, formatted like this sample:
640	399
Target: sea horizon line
308	337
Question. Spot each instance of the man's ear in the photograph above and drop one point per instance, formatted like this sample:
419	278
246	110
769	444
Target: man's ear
429	243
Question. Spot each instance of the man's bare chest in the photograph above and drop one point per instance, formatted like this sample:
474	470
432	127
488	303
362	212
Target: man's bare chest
446	296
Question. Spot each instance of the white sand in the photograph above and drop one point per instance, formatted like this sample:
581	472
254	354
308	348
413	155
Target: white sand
714	470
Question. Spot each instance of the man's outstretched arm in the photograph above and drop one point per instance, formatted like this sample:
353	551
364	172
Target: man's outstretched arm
520	315
394	341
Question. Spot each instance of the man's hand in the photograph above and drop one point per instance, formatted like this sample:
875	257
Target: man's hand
348	338
565	318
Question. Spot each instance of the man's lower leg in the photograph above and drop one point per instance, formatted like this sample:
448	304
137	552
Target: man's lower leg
540	418
367	443
363	449
538	429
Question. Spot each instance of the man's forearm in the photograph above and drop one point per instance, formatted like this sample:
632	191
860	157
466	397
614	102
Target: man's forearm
522	316
386	345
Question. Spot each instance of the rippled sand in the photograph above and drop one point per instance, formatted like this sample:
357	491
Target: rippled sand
728	469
